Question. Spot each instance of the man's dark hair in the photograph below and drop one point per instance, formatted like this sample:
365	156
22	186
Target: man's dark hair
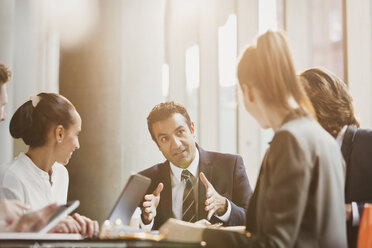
163	111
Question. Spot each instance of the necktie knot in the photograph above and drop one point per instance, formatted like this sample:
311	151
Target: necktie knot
186	175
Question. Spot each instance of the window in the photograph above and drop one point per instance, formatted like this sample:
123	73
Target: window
227	55
327	35
270	15
165	81
192	70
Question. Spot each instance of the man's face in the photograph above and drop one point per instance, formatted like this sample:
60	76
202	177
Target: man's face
3	101
175	140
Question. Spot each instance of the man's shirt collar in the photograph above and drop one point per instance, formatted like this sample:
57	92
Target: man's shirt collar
193	167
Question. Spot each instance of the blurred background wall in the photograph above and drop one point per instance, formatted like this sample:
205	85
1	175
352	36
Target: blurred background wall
116	59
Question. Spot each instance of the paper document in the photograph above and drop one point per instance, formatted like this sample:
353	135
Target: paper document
181	231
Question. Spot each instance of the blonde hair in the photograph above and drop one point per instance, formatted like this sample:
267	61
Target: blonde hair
268	67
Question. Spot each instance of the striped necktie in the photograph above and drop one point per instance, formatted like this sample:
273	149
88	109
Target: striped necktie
188	206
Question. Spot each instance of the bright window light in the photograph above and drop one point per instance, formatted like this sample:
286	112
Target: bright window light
227	53
227	49
267	15
192	68
165	80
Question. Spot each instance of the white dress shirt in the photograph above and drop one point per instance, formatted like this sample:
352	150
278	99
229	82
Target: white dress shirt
22	180
340	136
354	207
178	187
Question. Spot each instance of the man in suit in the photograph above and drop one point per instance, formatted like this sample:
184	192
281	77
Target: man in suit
335	112
192	184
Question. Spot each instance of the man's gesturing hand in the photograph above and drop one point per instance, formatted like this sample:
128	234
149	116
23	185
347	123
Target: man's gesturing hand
215	203
150	204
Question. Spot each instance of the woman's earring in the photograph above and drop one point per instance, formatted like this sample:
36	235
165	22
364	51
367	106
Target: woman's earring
59	141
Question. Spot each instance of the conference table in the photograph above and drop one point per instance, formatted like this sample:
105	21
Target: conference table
76	240
97	243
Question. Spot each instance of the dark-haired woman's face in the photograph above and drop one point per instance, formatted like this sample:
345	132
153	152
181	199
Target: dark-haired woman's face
70	141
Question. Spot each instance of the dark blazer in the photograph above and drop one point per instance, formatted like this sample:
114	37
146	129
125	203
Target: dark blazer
227	174
298	200
357	151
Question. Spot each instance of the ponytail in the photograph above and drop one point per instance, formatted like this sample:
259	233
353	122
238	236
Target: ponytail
268	66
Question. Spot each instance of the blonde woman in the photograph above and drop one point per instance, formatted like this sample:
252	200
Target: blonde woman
298	199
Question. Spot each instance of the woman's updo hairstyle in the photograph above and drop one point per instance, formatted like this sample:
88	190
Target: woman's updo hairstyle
32	124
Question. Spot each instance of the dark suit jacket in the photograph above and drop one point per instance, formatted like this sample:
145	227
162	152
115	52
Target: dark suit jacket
298	200
357	151
227	174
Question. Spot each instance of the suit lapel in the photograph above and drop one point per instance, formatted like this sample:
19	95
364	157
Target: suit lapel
166	195
346	148
205	167
347	142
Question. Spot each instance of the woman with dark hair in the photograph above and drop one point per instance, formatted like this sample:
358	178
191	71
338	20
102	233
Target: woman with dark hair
335	112
12	217
49	124
298	198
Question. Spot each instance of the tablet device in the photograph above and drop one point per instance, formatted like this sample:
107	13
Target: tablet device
130	198
62	211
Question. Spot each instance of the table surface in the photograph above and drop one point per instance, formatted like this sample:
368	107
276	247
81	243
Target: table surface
97	243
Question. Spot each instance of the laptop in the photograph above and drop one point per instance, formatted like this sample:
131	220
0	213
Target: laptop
130	198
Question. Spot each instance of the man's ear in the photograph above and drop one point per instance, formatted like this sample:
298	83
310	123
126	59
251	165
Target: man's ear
248	92
59	133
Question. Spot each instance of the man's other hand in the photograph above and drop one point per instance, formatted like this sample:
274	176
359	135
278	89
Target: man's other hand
150	204
215	203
